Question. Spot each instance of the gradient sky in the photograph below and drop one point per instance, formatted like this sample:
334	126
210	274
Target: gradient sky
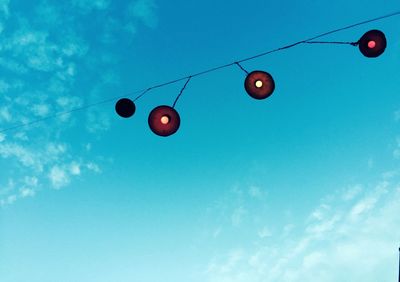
302	186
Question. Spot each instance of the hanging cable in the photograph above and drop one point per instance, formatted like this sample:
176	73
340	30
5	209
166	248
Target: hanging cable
180	93
241	67
188	77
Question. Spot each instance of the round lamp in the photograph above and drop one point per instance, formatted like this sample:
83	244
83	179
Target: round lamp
372	44
259	84
164	121
125	108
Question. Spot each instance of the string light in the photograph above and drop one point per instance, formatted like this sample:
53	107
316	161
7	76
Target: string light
125	107
372	44
164	121
258	84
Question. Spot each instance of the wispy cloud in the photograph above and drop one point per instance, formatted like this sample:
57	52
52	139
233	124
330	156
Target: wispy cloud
51	165
41	70
144	10
58	177
4	8
89	5
237	216
351	237
352	192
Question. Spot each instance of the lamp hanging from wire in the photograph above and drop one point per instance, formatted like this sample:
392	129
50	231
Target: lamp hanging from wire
372	44
125	107
164	121
259	84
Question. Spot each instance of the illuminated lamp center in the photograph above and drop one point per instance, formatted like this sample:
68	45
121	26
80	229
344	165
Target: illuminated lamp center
165	119
259	83
371	44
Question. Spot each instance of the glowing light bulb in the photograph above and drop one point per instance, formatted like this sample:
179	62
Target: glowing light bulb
259	83
371	44
164	119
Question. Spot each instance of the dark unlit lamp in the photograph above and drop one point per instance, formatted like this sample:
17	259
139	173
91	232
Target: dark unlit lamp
125	108
259	84
164	121
372	44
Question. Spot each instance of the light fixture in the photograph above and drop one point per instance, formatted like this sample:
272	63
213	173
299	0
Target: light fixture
164	120
125	108
372	44
259	84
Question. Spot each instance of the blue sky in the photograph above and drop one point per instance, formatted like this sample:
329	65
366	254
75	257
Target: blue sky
302	186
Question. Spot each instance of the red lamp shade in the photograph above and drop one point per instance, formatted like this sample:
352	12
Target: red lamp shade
125	108
259	84
164	121
372	44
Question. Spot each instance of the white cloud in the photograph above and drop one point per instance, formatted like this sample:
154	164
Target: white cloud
89	5
8	201
75	168
4	86
41	110
4	8
5	114
232	260
264	233
352	192
41	66
93	167
4	190
13	65
88	147
397	115
256	192
396	152
351	239
31	181
144	10
27	192
313	259
237	216
287	229
66	104
55	150
370	163
97	121
320	212
367	203
35	49
23	155
319	229
217	232
58	177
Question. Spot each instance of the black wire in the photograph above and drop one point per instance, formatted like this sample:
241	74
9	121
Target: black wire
331	42
354	25
241	67
142	94
74	110
321	35
188	77
180	93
